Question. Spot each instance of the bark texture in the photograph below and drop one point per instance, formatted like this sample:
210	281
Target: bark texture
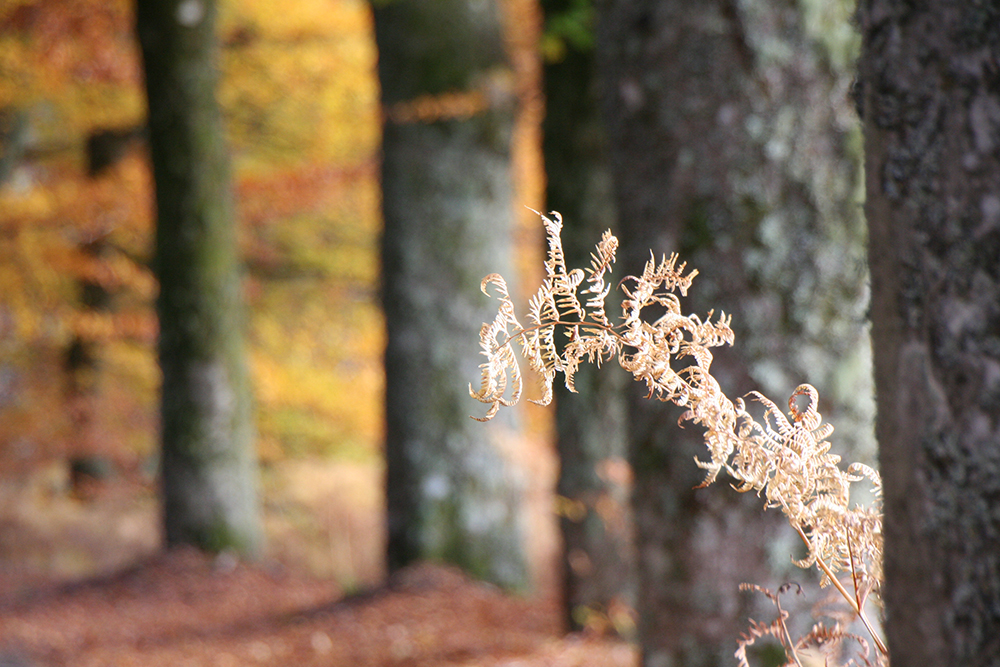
594	478
208	463
930	75
452	493
731	134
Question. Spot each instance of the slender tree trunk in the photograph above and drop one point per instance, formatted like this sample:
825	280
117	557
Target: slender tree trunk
730	130
594	477
453	495
208	462
87	454
931	96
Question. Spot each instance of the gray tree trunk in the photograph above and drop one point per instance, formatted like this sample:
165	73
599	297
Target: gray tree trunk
453	495
931	104
208	464
731	135
596	522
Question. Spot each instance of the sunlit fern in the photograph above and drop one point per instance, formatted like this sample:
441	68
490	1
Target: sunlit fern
786	460
824	645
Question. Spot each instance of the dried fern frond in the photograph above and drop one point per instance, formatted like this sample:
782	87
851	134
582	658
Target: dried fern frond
776	628
830	644
785	458
600	264
494	339
823	644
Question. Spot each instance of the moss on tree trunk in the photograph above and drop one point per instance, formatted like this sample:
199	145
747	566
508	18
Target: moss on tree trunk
208	461
731	131
452	493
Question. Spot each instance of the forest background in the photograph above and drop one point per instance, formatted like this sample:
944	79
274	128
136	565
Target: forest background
301	105
300	101
78	373
77	379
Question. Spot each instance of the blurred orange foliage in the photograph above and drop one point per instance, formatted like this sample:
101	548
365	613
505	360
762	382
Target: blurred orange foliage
299	94
301	103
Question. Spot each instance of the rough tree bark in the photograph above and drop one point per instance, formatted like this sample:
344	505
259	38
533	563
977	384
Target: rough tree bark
930	75
208	463
730	131
594	481
452	493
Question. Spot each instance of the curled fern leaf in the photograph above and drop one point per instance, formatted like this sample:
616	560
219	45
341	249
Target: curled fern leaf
494	339
785	459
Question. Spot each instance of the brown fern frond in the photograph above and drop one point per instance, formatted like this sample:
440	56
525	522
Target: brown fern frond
827	643
494	339
859	471
600	264
776	628
563	288
784	459
754	632
555	264
823	644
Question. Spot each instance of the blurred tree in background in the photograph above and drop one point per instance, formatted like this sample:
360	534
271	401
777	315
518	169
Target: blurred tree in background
299	99
591	435
208	462
449	106
733	142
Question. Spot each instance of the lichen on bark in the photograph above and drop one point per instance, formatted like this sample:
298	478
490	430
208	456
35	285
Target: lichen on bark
453	493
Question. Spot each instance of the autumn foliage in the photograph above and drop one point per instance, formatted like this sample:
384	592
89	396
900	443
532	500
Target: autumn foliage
77	330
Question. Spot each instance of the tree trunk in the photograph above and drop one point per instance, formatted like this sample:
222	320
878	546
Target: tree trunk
208	461
594	484
452	493
87	453
731	138
931	104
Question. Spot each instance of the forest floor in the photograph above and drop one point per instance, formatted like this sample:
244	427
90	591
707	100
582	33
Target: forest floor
148	608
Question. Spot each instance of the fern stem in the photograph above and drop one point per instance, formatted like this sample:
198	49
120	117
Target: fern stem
787	641
847	596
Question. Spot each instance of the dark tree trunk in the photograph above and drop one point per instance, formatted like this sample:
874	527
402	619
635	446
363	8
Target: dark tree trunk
730	133
594	480
208	462
931	96
87	453
453	495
